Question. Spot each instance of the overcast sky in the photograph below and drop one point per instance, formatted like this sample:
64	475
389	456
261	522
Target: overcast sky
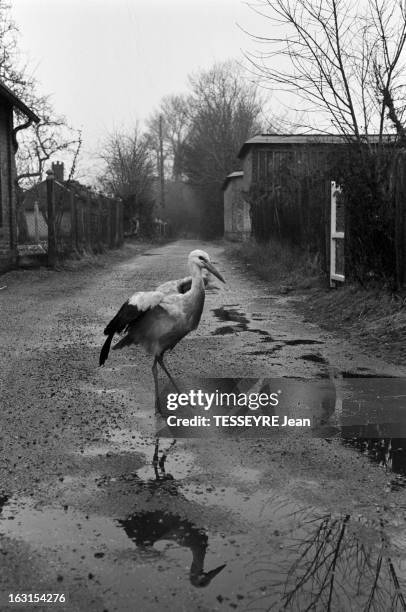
108	63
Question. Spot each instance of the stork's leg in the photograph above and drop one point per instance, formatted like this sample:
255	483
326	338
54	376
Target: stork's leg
165	454
160	360
155	375
156	451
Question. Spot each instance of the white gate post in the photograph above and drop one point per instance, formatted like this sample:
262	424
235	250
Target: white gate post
334	236
36	222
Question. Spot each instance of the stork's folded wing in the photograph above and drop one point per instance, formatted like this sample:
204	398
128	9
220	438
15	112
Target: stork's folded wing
132	309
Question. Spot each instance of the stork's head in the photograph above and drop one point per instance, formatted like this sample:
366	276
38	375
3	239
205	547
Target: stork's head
202	260
203	579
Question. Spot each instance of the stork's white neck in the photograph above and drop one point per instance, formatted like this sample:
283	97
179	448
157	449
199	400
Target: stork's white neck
197	274
194	299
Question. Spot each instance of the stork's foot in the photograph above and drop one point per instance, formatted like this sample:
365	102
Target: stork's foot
162	464
165	455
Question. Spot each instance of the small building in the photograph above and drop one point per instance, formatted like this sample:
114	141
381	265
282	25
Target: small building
237	220
8	147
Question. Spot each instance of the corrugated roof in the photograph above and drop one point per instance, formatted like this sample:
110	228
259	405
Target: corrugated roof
299	139
6	93
229	177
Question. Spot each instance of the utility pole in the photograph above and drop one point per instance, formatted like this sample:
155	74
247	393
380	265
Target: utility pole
52	248
161	163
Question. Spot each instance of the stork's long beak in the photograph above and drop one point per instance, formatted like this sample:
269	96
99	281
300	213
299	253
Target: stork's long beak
213	270
213	573
203	579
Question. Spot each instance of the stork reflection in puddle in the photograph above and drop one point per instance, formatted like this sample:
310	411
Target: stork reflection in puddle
147	528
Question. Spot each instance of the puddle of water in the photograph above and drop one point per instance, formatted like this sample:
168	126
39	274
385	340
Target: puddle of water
261	332
230	314
45	527
329	563
362	374
274	349
3	500
292	567
370	416
389	453
99	547
131	440
260	507
300	557
299	342
183	463
246	474
227	329
313	358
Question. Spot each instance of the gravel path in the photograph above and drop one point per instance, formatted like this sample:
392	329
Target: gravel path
297	520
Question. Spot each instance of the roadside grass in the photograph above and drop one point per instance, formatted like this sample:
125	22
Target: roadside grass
370	315
281	264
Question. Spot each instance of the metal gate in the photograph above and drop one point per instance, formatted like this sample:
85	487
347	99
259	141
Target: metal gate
336	235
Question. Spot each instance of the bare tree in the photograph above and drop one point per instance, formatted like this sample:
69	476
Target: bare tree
343	60
39	143
43	141
224	112
175	115
52	135
129	174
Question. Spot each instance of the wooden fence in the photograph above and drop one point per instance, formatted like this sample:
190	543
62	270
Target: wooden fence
289	197
399	197
70	219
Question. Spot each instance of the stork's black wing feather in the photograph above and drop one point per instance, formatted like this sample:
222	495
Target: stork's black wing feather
127	314
130	311
104	353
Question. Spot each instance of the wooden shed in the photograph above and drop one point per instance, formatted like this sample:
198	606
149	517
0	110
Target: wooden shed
8	147
287	181
237	220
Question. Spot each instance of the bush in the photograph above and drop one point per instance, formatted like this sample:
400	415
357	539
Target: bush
279	262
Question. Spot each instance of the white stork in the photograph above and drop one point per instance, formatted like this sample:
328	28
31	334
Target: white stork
159	319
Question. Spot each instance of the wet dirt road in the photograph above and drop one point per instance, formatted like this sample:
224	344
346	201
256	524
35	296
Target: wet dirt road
298	523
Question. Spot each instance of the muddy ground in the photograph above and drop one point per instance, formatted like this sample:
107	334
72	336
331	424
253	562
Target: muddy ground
300	522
